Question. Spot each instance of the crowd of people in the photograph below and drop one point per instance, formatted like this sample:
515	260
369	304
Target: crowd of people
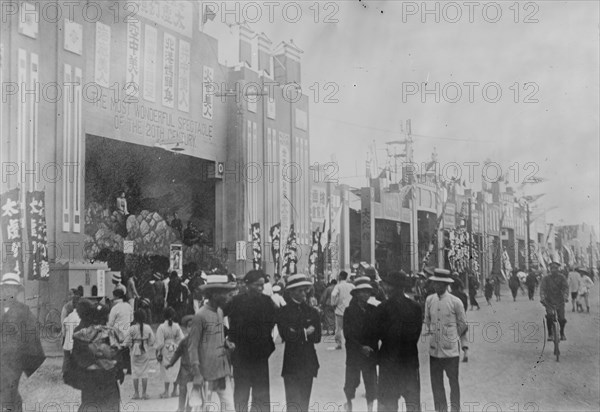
218	339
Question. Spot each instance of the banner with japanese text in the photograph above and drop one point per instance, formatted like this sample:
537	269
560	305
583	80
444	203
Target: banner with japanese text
12	252
290	257
35	216
256	246
275	233
314	258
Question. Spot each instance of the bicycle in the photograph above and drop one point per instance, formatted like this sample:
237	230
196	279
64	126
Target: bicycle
555	333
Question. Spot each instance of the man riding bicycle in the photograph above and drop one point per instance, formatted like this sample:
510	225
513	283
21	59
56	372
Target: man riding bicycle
554	292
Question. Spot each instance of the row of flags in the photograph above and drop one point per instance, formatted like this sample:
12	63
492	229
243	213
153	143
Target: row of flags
12	234
321	241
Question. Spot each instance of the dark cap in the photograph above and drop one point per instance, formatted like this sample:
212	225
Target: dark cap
253	276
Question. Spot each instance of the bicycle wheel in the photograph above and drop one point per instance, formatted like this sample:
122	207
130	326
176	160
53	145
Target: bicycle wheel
556	338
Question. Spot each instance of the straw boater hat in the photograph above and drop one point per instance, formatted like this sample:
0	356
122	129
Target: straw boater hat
157	276
276	289
296	281
217	282
116	277
10	279
145	302
442	275
362	283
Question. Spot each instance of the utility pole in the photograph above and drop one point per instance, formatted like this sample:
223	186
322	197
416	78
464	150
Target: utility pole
470	233
528	240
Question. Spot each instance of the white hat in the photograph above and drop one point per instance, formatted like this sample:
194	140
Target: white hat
11	279
362	283
276	288
218	282
298	280
442	275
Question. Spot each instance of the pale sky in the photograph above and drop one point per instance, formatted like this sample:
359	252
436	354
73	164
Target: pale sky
373	52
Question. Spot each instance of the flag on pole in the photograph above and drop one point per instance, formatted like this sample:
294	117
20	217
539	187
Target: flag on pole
35	213
10	222
290	256
275	234
256	246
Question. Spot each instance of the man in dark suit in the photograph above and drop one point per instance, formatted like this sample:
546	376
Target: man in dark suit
398	323
21	347
251	321
300	329
361	347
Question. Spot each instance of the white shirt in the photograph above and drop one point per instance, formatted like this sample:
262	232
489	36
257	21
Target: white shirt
268	289
445	319
69	324
341	296
121	316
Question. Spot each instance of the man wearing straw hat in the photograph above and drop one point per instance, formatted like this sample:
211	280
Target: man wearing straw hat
209	349
361	346
446	322
116	281
398	323
251	319
20	346
300	329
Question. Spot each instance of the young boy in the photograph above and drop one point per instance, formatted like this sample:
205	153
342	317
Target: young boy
185	371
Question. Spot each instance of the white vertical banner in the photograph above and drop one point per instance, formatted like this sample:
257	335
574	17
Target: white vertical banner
132	78
102	56
77	148
257	179
168	86
73	37
101	282
183	84
246	175
285	187
33	116
67	131
21	107
150	49
207	92
28	19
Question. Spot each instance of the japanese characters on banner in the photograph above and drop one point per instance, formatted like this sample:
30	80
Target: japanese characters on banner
35	212
174	15
285	185
207	95
28	20
73	37
256	246
168	95
150	49
183	87
315	252
10	220
176	259
102	61
132	78
275	234
458	254
290	256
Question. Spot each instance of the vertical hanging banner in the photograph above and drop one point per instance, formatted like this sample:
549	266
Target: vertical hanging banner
10	220
275	233
150	49
132	78
102	57
290	257
256	246
313	257
35	216
168	95
176	259
207	92
183	86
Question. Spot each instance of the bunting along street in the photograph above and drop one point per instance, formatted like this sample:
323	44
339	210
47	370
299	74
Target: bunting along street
513	370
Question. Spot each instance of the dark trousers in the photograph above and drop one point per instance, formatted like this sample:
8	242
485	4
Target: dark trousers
354	367
562	321
297	392
472	298
396	381
530	291
437	367
514	292
252	376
